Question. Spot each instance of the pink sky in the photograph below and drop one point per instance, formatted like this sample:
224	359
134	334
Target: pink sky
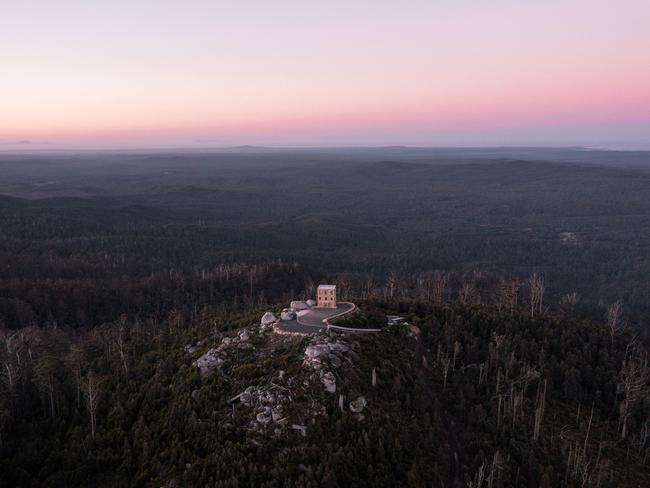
211	73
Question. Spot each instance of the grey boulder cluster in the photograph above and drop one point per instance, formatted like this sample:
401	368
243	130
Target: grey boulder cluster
357	406
288	314
299	305
268	405
269	319
216	357
322	356
273	410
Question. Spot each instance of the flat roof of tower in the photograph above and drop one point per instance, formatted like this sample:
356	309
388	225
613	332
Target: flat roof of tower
326	287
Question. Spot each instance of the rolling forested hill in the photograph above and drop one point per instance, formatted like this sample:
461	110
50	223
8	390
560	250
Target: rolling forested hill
464	396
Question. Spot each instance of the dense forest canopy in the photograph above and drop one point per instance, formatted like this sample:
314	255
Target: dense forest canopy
85	235
521	274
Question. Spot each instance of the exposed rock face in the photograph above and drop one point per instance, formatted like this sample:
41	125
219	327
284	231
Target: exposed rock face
277	414
329	382
216	357
281	403
210	361
264	417
299	305
269	318
315	352
270	408
325	352
322	356
357	406
311	303
288	314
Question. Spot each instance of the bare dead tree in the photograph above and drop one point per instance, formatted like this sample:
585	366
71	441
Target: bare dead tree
425	286
74	360
175	320
482	372
584	446
8	354
536	287
391	284
495	346
615	322
44	378
468	294
344	285
369	285
121	343
581	467
568	302
456	352
480	477
633	383
309	288
92	392
252	272
540	407
497	466
508	296
440	287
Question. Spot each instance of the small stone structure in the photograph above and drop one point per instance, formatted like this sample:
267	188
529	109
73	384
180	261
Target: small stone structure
326	295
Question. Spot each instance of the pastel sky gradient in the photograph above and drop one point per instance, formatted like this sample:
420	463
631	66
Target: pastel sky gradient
145	73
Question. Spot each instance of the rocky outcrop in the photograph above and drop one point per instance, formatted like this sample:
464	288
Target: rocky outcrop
288	314
278	400
268	319
325	353
329	382
299	305
210	361
357	406
315	354
270	407
216	357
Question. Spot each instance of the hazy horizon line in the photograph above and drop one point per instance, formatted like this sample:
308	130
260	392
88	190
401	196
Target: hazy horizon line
264	147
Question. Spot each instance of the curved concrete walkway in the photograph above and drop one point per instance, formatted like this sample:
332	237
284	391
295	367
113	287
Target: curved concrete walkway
316	320
318	317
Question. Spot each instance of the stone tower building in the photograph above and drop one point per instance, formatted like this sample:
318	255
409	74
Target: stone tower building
326	296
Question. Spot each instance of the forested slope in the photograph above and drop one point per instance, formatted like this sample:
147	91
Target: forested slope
465	396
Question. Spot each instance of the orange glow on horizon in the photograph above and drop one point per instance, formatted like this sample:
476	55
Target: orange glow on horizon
274	73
